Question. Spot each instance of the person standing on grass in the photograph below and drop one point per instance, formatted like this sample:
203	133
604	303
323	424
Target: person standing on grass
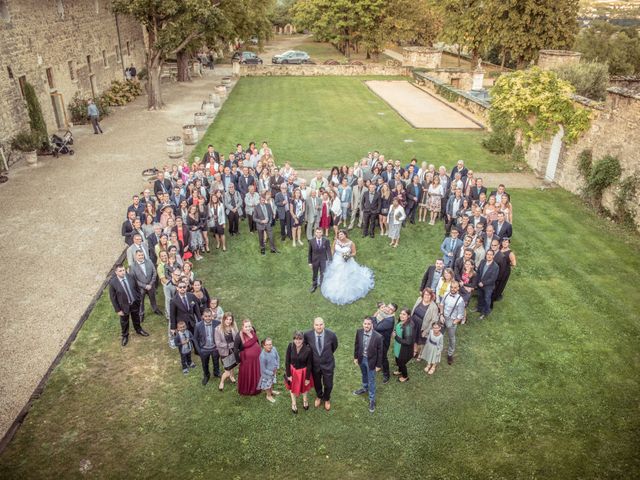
432	350
323	343
204	338
367	354
383	322
183	341
395	219
94	116
125	299
403	344
298	369
488	272
452	314
225	335
269	364
247	351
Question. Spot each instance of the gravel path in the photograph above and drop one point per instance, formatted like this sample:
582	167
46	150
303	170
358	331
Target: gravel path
419	108
61	230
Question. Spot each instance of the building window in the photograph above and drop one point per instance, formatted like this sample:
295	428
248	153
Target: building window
10	72
104	58
72	70
50	78
128	48
89	63
118	57
60	8
4	11
22	80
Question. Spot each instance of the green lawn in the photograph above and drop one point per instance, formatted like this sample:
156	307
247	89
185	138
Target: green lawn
547	387
324	121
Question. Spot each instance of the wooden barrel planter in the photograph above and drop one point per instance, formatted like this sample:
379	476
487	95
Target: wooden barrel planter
200	120
215	99
175	147
190	134
226	81
210	109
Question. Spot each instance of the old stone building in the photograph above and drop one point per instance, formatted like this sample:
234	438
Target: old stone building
61	47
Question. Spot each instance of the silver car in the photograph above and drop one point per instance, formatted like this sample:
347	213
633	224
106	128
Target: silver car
292	56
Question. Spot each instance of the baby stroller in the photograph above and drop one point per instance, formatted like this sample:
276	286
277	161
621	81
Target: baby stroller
60	144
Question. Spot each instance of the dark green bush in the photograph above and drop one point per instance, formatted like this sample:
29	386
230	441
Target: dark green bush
590	79
27	141
36	120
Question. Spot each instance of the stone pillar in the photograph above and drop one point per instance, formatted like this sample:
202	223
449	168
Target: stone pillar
552	59
235	69
478	77
422	57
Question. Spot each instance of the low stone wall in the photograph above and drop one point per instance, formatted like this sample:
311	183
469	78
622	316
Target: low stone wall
624	81
614	131
478	108
320	70
426	57
552	59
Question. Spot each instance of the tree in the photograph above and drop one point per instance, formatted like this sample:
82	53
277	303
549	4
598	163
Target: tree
527	26
618	47
411	22
36	119
470	24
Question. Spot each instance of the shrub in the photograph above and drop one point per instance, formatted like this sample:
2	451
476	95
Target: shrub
604	173
501	139
121	92
36	120
78	108
27	141
585	163
590	79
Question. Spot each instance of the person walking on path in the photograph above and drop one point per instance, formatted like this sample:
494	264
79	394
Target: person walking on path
94	116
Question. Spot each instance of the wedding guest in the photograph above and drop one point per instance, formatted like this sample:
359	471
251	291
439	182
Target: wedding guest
452	314
247	351
432	350
204	338
216	309
325	214
298	369
385	205
269	364
217	221
506	260
225	335
367	354
336	211
423	315
297	212
449	246
251	201
488	272
201	294
126	302
396	217
145	276
468	283
323	343
183	340
196	242
444	284
403	335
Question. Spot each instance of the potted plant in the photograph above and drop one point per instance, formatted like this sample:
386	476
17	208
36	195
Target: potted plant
28	143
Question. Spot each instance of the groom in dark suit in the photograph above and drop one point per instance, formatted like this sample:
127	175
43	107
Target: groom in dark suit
323	344
319	255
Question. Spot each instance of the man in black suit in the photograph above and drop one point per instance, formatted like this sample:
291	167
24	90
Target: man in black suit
127	229
126	302
144	273
367	354
244	181
211	156
323	343
475	191
432	276
205	342
487	275
370	209
459	168
263	216
161	185
319	255
502	228
383	323
137	206
184	307
458	264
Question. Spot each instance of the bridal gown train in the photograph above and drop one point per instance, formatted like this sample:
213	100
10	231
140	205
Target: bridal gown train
345	282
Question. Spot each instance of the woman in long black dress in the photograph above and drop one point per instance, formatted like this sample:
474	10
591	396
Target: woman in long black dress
201	294
403	344
505	260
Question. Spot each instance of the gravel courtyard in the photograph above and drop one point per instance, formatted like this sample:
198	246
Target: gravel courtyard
63	219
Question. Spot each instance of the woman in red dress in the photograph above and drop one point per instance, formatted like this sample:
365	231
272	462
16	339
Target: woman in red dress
247	347
325	214
298	371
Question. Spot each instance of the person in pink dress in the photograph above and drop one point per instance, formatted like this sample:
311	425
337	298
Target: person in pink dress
247	347
325	214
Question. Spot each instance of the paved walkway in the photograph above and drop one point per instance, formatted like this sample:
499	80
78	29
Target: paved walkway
61	230
418	107
393	54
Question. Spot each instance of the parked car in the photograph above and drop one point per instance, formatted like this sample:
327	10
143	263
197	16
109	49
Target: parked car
248	58
292	56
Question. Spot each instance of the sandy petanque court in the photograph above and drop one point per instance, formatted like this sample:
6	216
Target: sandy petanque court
418	107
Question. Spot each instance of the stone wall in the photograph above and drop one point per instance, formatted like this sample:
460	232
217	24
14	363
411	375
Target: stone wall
552	59
320	70
424	57
624	81
48	45
461	100
614	131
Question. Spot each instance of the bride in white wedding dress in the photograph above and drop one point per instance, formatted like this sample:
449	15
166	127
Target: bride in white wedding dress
344	280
